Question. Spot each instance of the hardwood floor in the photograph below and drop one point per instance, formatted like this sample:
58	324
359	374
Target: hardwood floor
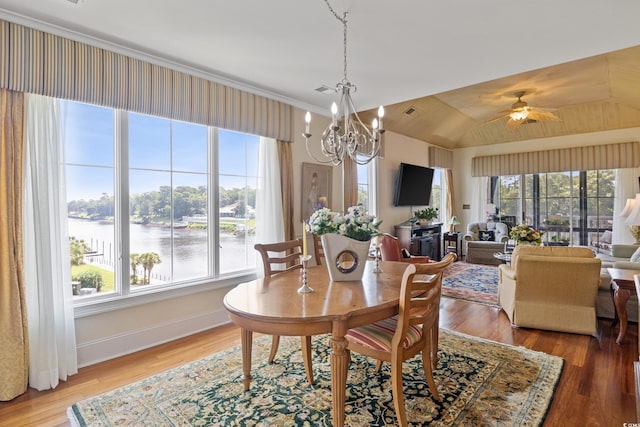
596	387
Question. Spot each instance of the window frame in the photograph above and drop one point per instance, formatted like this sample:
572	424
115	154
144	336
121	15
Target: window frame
577	195
123	297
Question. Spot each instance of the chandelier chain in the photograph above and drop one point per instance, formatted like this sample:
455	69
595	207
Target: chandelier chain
344	39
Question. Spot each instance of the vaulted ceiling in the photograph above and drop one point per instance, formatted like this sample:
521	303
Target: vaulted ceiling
457	63
593	94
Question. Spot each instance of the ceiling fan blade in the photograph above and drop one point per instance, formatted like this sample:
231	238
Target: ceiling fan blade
536	114
500	117
513	124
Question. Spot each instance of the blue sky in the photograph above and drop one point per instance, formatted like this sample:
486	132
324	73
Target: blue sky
153	144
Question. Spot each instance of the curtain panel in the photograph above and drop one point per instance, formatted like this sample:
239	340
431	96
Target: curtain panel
450	198
14	347
285	159
41	63
350	181
608	156
49	296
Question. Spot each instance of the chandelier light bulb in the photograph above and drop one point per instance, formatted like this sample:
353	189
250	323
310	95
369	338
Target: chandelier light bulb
374	124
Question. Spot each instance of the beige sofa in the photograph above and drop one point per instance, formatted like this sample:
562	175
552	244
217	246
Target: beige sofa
480	251
551	287
617	257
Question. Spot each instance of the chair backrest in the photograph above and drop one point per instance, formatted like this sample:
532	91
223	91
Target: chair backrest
281	256
318	250
390	248
420	296
550	251
500	230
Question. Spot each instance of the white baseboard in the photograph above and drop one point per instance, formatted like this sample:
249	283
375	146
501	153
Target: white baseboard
96	351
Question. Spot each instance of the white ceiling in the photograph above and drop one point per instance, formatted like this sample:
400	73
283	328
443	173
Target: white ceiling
398	50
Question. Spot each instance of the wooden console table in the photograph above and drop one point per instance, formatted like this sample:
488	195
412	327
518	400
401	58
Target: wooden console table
622	286
421	239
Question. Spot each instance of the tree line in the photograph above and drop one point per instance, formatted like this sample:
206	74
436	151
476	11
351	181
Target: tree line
164	203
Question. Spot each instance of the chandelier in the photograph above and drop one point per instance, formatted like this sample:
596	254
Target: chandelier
346	135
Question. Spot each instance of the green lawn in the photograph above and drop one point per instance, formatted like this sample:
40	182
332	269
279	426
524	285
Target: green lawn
107	275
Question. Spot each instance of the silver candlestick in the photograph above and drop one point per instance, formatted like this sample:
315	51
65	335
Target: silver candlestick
304	289
377	268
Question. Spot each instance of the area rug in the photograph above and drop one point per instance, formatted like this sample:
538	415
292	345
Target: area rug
471	282
481	383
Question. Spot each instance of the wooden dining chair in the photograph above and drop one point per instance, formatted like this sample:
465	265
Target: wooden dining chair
414	330
390	251
277	258
318	250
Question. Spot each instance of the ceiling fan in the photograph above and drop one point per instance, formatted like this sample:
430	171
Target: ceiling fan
521	113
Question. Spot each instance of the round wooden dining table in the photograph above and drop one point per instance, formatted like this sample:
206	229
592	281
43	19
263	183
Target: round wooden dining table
272	305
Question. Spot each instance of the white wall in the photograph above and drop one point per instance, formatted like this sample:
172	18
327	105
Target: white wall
397	149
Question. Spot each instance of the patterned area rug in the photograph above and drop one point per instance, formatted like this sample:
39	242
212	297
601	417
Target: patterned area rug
471	282
481	383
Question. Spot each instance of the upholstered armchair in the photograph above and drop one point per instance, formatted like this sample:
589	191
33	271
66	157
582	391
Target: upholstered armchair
551	287
390	251
483	239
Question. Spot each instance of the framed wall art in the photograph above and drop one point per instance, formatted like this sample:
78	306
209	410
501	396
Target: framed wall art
316	188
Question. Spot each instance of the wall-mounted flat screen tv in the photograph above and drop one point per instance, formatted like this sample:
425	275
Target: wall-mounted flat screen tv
413	186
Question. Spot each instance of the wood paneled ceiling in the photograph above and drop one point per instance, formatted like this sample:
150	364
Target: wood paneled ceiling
593	94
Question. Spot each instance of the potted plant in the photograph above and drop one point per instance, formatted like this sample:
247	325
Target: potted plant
525	235
426	215
345	239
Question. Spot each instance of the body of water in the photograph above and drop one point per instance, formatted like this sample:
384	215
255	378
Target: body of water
183	251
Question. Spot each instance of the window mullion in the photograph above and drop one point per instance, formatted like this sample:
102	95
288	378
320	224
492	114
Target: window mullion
213	202
121	135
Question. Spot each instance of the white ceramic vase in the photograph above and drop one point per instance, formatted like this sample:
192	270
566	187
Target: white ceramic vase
346	257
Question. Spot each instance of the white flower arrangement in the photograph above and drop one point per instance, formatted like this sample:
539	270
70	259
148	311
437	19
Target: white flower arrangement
356	223
524	233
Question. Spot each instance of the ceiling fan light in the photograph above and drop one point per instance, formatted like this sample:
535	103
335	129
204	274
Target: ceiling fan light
519	115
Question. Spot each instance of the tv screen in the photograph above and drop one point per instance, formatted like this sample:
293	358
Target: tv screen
413	187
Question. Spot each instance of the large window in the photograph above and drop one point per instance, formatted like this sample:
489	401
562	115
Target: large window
570	207
140	193
363	185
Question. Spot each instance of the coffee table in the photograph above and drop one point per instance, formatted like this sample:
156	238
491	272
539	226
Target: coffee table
503	256
622	286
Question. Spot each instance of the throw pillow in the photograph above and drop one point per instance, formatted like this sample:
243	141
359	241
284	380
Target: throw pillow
606	237
636	256
487	236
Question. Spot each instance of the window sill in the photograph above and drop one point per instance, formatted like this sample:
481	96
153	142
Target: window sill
118	302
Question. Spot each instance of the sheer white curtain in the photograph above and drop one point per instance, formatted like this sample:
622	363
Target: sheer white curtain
626	188
49	295
269	219
479	199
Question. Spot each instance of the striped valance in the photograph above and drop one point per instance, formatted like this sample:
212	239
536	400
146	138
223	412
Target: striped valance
593	157
440	158
37	62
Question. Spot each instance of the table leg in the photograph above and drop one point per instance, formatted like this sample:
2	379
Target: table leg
613	289
339	366
246	338
620	297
